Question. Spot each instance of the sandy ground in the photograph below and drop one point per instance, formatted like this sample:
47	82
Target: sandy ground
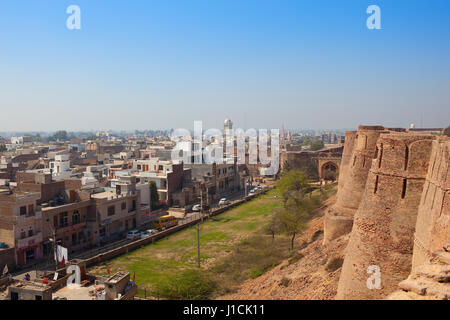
305	279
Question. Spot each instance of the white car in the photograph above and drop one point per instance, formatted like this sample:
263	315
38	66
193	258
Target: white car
197	208
148	233
133	235
224	202
252	192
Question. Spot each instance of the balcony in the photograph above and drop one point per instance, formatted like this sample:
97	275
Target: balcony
29	241
24	219
71	228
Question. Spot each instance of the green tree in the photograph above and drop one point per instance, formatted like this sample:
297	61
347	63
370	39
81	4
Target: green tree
59	135
447	131
306	141
292	182
293	216
274	226
154	196
2	147
316	145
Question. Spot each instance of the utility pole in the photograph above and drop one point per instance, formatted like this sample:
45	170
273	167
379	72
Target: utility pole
198	244
55	249
198	224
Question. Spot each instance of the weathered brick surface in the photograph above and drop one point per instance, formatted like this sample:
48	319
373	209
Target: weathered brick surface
385	221
339	219
432	231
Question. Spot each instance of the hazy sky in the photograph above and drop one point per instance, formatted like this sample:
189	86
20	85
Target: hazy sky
155	64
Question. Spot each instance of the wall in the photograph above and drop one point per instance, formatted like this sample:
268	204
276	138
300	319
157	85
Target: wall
385	221
7	257
433	219
339	219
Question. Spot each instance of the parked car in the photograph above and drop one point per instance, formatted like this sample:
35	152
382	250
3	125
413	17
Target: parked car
133	235
251	192
197	208
224	202
148	233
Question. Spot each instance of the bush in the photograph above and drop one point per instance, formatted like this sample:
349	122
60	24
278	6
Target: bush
296	257
334	264
186	285
285	282
255	272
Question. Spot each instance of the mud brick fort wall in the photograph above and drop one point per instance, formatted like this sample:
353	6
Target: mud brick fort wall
393	199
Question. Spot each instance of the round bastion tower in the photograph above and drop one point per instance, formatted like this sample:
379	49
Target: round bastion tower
349	144
385	221
433	219
339	219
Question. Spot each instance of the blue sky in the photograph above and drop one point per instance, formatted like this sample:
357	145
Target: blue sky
155	64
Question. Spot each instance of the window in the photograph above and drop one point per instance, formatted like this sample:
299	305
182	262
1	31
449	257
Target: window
23	210
381	156
139	167
111	210
55	221
124	205
404	189
134	205
63	221
160	168
74	238
75	217
406	157
30	233
376	185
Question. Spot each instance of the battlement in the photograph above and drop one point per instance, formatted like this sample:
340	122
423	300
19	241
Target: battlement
394	200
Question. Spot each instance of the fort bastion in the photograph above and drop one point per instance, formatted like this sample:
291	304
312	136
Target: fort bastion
394	197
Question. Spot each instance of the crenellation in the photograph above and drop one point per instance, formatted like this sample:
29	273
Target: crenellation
402	215
339	219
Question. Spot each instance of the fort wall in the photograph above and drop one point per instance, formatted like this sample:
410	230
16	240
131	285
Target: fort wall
339	219
384	223
432	230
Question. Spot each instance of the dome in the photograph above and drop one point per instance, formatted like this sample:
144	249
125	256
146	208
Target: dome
227	121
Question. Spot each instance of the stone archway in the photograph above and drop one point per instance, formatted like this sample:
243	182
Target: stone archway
327	167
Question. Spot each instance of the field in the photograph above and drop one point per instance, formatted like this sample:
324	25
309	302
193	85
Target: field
234	247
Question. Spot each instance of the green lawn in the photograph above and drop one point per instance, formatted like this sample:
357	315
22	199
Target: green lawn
234	247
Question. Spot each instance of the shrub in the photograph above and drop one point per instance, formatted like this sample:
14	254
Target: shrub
186	285
285	282
255	272
334	264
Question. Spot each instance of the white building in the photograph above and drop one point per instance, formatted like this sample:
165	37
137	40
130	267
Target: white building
60	168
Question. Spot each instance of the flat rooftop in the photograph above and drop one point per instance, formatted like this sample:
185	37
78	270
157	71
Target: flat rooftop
75	292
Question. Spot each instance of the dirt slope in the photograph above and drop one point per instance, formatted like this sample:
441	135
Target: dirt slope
314	276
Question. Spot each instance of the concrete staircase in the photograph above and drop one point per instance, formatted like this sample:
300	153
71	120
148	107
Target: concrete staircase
430	281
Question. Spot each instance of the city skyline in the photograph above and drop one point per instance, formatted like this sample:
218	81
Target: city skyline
140	65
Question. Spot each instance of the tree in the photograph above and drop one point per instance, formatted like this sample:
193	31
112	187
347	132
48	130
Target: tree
292	217
306	141
2	147
59	135
316	145
154	196
275	224
447	131
293	181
